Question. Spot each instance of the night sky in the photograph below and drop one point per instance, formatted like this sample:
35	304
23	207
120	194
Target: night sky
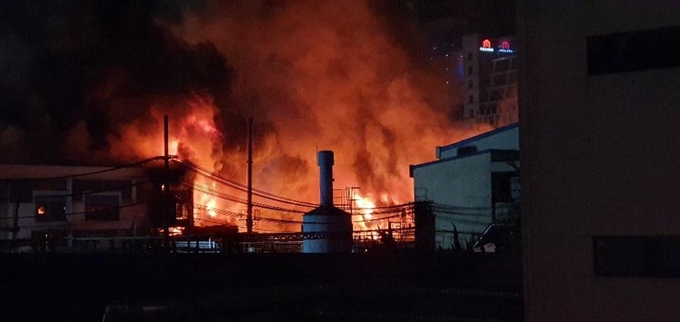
78	72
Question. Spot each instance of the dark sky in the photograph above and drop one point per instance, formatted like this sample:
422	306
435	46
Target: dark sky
99	64
59	60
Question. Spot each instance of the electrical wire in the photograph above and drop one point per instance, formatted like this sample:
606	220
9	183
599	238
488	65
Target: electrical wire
129	165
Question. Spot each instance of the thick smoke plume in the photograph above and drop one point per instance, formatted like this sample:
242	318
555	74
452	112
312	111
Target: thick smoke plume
329	75
82	80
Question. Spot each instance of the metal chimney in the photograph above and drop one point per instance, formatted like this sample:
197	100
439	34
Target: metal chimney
325	163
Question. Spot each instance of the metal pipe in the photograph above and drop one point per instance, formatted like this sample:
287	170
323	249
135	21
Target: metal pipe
325	162
249	213
166	183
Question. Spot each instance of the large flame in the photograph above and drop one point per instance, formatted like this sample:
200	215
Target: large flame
314	75
328	75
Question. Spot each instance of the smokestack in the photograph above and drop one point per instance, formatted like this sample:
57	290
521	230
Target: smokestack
325	163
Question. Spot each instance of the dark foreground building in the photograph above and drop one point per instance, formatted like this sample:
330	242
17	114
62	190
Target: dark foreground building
599	115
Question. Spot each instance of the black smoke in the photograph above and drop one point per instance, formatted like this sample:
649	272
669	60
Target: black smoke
95	64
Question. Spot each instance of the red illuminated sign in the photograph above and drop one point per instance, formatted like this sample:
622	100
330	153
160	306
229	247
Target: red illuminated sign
486	43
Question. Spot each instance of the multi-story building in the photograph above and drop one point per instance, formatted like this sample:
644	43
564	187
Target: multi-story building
490	80
46	207
447	25
599	110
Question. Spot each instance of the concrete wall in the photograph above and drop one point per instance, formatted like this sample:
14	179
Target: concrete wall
599	156
464	183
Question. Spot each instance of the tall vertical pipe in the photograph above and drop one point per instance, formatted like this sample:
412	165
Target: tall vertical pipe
166	183
249	211
325	162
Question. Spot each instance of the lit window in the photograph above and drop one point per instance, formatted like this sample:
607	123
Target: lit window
50	209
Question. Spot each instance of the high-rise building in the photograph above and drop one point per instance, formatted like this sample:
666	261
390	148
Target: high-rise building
490	80
447	26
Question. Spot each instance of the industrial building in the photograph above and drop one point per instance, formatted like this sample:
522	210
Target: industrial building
53	208
471	184
47	207
599	131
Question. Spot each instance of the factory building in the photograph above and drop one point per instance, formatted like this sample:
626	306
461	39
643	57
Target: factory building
85	208
471	184
599	110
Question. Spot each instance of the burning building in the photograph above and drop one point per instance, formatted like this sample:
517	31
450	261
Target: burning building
309	76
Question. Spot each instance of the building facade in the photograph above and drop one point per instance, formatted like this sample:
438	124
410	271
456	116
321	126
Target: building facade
490	80
45	208
471	184
599	110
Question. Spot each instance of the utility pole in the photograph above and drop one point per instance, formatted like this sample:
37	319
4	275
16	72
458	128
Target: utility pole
165	191
249	214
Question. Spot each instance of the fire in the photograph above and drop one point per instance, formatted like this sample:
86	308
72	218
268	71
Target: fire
173	147
346	87
210	208
366	206
364	220
175	231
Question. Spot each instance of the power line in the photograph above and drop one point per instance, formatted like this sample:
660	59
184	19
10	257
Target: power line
130	165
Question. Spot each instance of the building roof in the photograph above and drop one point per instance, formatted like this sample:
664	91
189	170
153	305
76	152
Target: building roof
476	138
496	155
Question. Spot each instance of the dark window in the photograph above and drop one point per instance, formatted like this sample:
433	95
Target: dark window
466	150
102	207
502	65
500	79
50	208
21	191
470	70
469	56
635	50
501	183
471	99
82	188
495	95
638	256
471	84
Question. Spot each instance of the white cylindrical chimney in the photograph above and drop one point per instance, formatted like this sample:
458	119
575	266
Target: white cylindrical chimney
325	162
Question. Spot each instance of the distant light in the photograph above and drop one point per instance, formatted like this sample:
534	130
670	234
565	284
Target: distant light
490	50
41	210
486	43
